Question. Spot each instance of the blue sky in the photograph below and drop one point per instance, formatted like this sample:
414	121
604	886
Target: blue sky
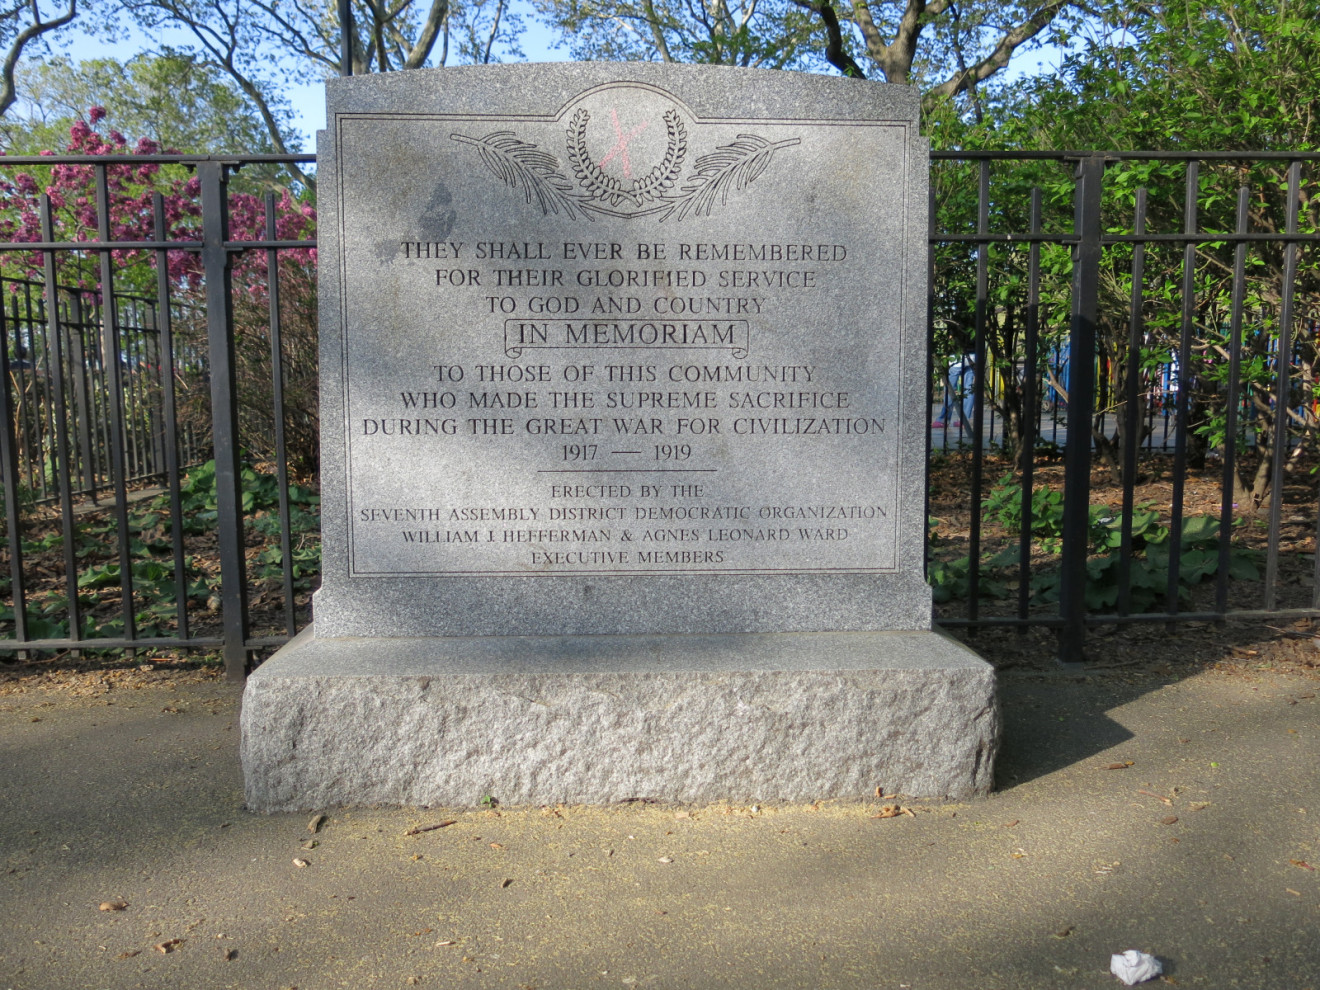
308	100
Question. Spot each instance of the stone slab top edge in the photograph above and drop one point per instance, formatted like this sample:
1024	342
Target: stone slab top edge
313	657
708	90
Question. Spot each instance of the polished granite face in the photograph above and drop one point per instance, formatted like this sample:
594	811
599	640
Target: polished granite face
621	349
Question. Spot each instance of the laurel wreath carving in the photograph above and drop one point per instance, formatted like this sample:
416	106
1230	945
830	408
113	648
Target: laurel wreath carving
729	168
644	190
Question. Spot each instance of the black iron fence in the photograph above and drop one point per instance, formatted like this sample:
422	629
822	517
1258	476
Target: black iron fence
84	399
1123	380
1181	292
168	570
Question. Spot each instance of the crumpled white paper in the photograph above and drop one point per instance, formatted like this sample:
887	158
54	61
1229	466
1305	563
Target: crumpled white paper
1133	967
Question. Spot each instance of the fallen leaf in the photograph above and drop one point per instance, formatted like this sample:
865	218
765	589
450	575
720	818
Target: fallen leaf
496	845
229	955
892	811
300	862
429	828
1010	824
1169	820
1302	864
1120	766
505	883
133	952
315	824
1157	797
169	945
120	905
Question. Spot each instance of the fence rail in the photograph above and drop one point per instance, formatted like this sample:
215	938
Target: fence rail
1137	314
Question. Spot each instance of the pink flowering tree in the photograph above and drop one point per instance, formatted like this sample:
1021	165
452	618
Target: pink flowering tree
131	187
72	191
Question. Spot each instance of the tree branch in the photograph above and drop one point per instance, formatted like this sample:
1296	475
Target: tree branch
657	33
834	52
997	59
494	31
426	37
38	27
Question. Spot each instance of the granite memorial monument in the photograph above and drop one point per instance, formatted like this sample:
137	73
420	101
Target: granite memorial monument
623	412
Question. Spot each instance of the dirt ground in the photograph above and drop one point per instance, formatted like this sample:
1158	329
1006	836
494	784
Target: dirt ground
1166	806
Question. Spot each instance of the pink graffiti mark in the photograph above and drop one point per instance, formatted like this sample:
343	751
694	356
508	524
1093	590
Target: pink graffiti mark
621	144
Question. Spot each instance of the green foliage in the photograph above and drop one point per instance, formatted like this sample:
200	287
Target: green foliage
950	579
1005	504
176	100
151	548
1149	560
1188	74
1192	74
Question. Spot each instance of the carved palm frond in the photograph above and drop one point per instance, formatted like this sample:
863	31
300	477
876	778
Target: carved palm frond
729	167
518	163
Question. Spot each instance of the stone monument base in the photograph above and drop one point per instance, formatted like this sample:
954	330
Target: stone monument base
596	719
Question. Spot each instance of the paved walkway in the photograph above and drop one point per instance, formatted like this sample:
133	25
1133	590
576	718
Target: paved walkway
1201	852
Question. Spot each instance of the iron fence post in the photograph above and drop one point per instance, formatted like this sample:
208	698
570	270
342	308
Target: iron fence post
10	487
932	228
82	398
224	414
1081	403
345	37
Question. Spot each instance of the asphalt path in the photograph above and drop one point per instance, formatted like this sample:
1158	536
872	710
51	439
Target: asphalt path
1179	816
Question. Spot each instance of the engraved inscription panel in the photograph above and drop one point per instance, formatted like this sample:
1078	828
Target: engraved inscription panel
621	339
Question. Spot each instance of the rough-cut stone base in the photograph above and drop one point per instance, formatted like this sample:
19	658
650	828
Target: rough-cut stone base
595	719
